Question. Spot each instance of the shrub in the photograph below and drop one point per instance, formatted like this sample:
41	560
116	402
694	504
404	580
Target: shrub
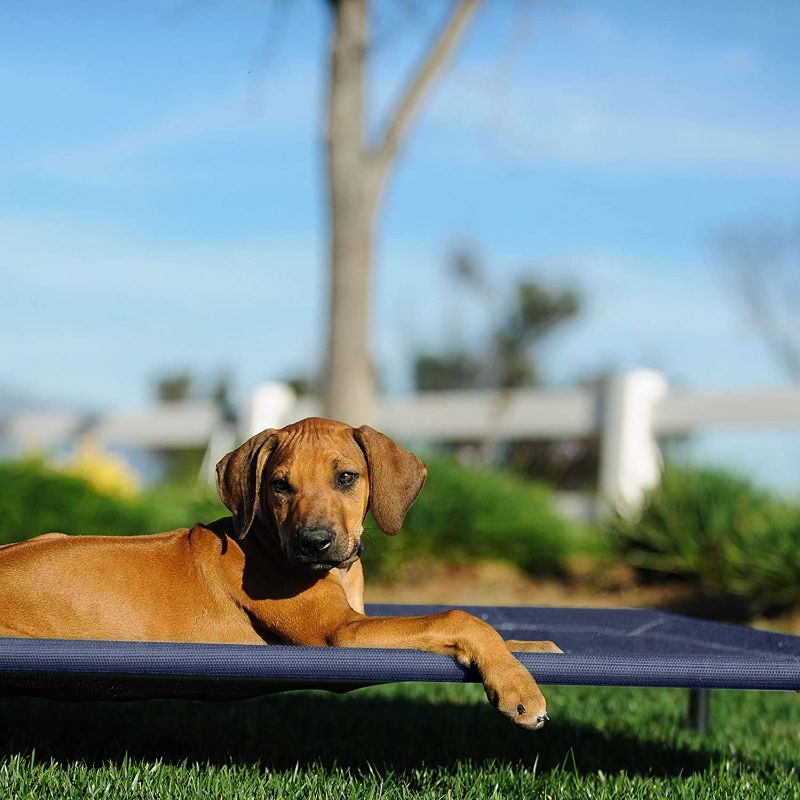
35	499
734	541
467	513
107	473
462	513
173	506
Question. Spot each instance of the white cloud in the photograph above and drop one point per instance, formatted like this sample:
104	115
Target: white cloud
638	311
279	105
589	25
578	124
627	100
673	316
677	110
56	255
731	60
94	316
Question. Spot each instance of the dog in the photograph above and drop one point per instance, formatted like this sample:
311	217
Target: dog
283	568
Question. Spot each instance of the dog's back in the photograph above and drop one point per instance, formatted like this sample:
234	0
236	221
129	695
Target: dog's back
59	586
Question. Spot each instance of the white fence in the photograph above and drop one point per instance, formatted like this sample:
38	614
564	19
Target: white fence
629	415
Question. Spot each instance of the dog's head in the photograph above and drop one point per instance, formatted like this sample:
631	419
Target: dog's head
311	483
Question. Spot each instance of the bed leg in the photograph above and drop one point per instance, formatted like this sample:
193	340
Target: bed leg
699	709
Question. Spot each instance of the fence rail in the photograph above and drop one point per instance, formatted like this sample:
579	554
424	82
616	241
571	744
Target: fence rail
628	415
682	412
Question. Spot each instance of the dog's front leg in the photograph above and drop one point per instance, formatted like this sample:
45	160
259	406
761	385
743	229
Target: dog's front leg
474	643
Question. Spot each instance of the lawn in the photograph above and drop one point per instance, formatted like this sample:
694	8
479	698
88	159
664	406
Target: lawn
428	741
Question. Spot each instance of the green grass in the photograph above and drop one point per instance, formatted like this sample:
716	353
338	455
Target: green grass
421	741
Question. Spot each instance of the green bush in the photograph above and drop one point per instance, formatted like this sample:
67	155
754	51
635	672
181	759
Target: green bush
172	506
35	499
465	513
734	541
461	514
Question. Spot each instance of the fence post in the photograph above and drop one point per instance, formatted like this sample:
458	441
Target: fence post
630	461
221	441
270	407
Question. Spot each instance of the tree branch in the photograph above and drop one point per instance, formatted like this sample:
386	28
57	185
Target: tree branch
431	65
759	256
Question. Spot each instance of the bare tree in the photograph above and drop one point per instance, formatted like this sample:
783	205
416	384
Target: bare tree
358	170
763	261
525	318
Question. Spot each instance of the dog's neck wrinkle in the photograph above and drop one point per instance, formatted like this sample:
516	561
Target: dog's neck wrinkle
262	543
260	575
261	546
266	572
223	529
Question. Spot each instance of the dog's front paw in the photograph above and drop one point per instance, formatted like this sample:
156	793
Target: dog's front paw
515	694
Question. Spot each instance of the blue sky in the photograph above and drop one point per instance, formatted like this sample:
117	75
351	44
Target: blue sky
161	203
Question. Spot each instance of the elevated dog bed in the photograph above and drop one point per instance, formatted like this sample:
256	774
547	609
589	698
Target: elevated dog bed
627	647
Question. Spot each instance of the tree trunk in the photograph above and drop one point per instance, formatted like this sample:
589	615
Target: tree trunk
349	382
356	176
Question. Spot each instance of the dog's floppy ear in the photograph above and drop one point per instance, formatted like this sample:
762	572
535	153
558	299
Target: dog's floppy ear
239	478
395	478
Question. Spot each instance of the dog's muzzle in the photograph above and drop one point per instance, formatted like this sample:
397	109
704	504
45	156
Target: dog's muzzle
317	549
314	542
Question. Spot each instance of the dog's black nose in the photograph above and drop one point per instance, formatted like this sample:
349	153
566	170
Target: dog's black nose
314	541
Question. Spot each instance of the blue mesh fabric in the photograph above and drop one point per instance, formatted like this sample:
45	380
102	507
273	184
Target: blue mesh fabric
626	647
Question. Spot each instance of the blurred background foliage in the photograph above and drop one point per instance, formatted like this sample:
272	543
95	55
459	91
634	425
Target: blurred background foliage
36	498
520	319
736	543
716	533
467	513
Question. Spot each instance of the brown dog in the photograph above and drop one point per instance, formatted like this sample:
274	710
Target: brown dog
284	568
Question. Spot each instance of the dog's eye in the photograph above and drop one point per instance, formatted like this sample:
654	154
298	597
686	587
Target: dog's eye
345	479
280	485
